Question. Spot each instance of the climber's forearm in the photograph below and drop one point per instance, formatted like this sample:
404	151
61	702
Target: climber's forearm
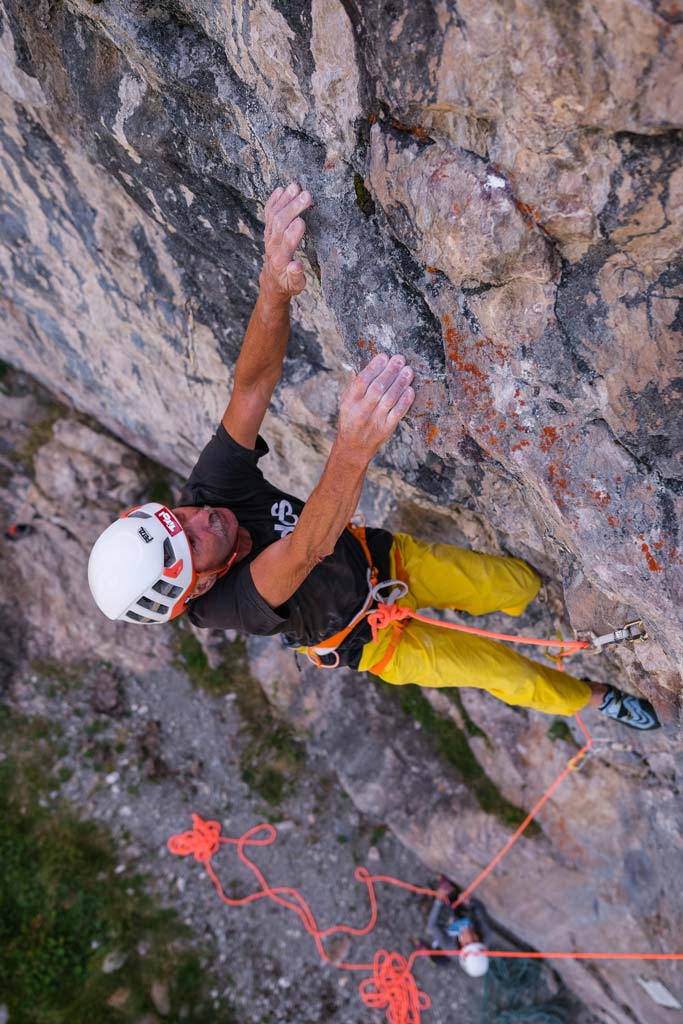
265	343
259	365
331	504
281	569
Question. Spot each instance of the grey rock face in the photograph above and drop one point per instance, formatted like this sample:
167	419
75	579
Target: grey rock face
499	195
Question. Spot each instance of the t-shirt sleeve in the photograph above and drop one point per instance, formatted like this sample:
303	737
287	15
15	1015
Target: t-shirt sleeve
223	471
234	603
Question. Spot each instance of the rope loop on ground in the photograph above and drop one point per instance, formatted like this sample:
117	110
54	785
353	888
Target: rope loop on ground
202	840
393	988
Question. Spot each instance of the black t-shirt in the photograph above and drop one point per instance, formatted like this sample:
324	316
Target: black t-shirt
227	475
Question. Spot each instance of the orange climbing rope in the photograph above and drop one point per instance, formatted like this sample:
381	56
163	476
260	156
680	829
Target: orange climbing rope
387	614
395	615
391	986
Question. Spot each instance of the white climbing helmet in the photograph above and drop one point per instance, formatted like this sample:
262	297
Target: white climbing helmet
473	959
141	568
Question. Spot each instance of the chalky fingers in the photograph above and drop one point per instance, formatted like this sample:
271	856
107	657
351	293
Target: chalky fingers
397	388
381	384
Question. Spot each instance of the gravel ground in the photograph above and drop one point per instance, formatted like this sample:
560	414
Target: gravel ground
164	750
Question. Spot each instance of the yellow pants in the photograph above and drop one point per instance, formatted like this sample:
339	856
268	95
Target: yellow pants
443	576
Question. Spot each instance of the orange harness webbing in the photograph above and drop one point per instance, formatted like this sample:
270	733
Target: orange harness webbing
333	642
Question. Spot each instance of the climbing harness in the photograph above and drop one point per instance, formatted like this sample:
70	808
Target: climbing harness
383	612
328	648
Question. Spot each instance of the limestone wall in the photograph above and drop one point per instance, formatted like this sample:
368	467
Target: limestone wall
499	196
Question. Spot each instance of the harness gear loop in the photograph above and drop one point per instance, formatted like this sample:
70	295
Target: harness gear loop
400	590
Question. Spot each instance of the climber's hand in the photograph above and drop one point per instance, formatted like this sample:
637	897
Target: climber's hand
373	403
282	275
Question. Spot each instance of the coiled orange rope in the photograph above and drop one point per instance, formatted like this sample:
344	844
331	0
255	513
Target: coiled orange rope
391	986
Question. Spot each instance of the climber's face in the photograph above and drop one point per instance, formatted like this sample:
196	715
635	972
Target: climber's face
211	533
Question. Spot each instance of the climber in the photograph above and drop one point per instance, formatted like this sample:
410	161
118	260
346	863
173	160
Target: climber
295	569
463	929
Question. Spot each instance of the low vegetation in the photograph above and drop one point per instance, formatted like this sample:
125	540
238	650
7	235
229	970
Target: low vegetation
80	940
271	757
453	746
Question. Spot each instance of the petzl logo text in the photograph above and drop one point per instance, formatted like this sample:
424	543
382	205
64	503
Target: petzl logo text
169	521
147	537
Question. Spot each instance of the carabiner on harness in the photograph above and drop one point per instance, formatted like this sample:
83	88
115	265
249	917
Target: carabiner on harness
400	589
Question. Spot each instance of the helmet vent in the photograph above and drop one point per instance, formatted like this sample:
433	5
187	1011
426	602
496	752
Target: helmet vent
139	515
167	589
153	606
134	617
169	554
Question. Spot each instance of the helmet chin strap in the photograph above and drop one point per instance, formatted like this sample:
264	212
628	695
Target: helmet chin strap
219	573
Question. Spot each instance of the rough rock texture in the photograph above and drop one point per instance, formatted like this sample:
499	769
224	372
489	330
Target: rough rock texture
499	196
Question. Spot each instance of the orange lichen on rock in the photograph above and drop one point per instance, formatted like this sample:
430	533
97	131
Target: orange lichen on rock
367	346
653	564
529	212
548	438
559	485
602	499
472	358
432	432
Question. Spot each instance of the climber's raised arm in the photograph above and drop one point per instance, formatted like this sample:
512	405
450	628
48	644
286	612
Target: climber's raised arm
370	409
259	365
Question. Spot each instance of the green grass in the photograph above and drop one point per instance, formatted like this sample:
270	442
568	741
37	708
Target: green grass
471	727
559	730
272	756
454	748
63	909
377	835
60	679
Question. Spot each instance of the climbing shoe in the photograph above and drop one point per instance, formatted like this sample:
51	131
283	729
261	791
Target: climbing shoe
636	712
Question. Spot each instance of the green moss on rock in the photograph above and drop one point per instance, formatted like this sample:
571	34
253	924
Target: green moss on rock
453	746
364	200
